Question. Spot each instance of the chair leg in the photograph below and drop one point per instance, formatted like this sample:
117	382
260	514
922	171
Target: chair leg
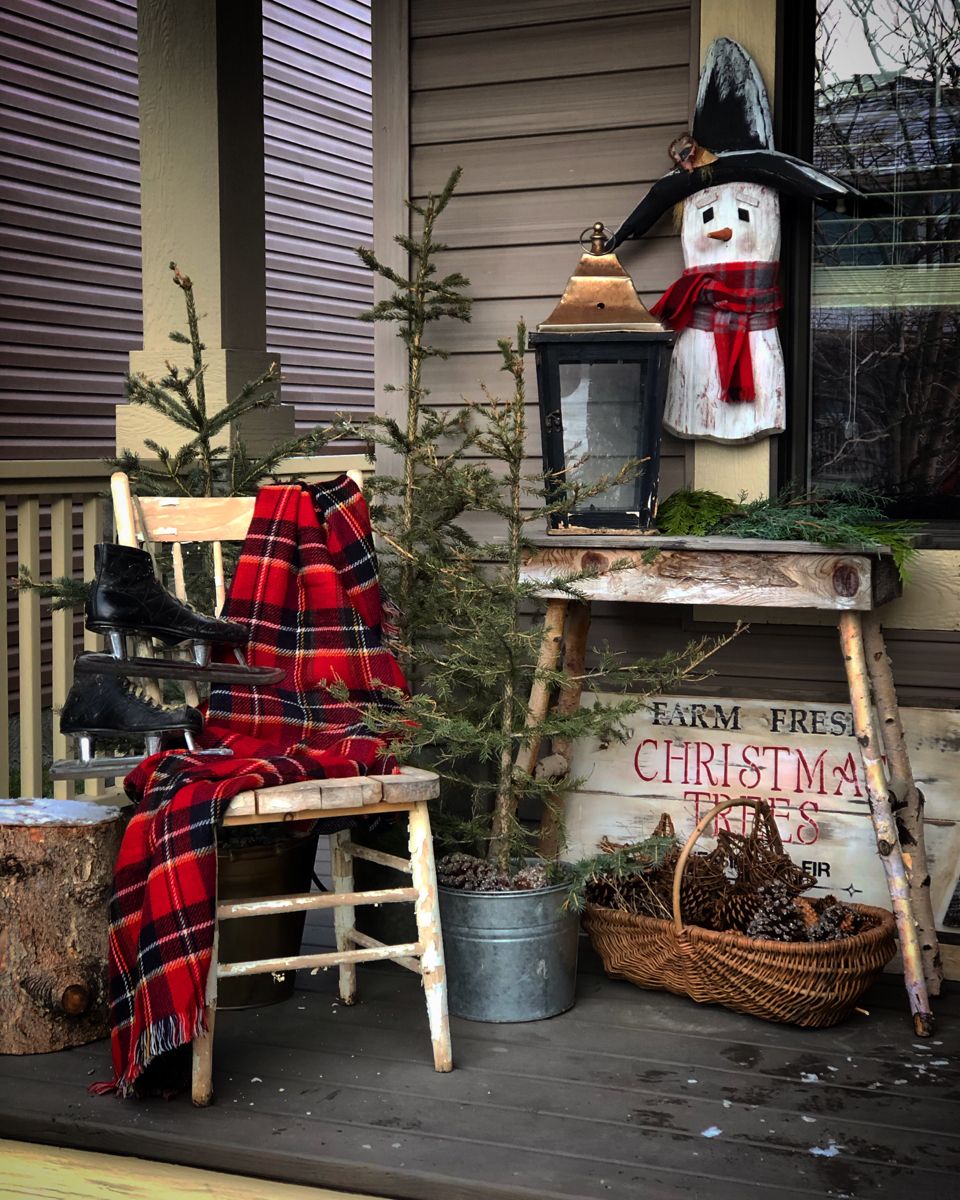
344	916
432	968
202	1083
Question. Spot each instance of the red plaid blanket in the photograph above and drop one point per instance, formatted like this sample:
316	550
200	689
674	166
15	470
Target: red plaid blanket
306	586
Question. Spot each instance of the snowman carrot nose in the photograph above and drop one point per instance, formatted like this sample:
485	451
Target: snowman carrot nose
722	235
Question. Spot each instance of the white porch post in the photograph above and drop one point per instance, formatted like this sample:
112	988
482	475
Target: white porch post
202	203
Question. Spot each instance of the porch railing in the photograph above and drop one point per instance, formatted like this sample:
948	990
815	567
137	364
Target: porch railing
53	514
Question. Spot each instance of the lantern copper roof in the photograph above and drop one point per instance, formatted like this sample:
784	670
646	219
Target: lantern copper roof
600	297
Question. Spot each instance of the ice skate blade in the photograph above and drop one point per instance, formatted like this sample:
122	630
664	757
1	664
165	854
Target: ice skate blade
169	668
96	768
169	637
113	768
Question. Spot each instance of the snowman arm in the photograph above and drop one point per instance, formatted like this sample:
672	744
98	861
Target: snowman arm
664	194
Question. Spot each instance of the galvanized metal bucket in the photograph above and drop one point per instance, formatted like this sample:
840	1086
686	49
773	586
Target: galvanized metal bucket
510	956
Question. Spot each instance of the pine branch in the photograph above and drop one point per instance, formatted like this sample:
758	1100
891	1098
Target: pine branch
64	593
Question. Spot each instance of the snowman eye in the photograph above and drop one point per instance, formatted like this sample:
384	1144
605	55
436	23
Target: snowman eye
707	216
743	214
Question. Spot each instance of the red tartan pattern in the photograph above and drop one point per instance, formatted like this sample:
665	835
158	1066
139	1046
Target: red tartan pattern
729	299
306	586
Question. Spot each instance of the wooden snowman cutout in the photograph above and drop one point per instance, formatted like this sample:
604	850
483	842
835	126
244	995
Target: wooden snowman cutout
726	380
733	224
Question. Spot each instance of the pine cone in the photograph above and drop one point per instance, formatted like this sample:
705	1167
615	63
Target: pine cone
533	876
603	892
698	902
807	911
735	908
704	884
835	920
777	918
465	872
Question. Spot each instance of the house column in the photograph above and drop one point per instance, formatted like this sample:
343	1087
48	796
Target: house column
202	206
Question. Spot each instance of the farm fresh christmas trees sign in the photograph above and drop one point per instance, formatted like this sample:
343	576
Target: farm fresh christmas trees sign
686	754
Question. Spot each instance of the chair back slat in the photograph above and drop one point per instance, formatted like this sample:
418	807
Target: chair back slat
179	575
193	519
179	519
219	580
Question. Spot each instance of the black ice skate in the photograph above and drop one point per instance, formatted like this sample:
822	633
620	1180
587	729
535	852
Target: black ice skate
104	707
126	598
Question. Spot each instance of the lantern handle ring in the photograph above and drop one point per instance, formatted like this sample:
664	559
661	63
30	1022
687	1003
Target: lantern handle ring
593	239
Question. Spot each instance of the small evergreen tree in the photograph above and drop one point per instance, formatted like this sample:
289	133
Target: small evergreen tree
469	719
201	467
416	512
470	636
198	467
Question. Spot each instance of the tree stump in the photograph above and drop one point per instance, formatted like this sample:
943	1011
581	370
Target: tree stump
56	874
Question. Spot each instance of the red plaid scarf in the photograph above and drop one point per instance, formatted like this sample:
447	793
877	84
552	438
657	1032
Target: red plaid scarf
730	299
306	586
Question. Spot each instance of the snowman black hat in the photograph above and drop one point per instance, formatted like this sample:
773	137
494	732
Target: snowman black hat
731	142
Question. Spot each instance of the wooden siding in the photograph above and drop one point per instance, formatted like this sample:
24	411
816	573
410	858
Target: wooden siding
319	200
70	259
559	115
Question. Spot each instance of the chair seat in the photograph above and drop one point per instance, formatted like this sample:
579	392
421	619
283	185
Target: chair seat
410	786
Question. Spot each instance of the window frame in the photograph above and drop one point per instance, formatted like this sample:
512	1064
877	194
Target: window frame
793	133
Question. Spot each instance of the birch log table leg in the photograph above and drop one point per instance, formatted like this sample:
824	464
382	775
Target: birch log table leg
56	876
575	632
909	813
539	702
881	812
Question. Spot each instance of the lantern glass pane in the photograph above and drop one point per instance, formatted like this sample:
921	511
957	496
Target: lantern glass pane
603	417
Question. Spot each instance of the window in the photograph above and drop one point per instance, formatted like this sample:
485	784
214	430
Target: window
885	281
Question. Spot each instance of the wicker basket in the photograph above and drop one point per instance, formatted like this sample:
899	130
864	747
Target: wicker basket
801	983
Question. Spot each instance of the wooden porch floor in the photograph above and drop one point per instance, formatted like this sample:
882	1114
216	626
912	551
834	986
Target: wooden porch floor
631	1094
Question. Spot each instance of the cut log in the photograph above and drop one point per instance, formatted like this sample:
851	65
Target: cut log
56	873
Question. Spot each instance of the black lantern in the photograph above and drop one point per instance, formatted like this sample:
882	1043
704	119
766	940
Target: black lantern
602	376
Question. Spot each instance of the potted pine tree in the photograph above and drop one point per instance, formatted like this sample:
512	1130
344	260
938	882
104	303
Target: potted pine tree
470	637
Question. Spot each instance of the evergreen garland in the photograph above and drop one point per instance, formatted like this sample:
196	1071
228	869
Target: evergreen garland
843	516
618	866
693	513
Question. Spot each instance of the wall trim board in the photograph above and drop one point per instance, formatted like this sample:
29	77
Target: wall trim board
390	50
731	470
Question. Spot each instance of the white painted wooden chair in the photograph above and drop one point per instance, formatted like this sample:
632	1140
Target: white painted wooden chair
183	520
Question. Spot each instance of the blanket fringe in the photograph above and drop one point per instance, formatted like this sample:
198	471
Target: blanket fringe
164	1035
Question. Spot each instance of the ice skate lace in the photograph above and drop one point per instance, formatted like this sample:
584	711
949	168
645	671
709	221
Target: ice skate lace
138	692
199	613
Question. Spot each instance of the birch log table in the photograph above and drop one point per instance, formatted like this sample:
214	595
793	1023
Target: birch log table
751	573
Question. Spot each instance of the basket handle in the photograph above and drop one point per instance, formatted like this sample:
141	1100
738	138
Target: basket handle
692	841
